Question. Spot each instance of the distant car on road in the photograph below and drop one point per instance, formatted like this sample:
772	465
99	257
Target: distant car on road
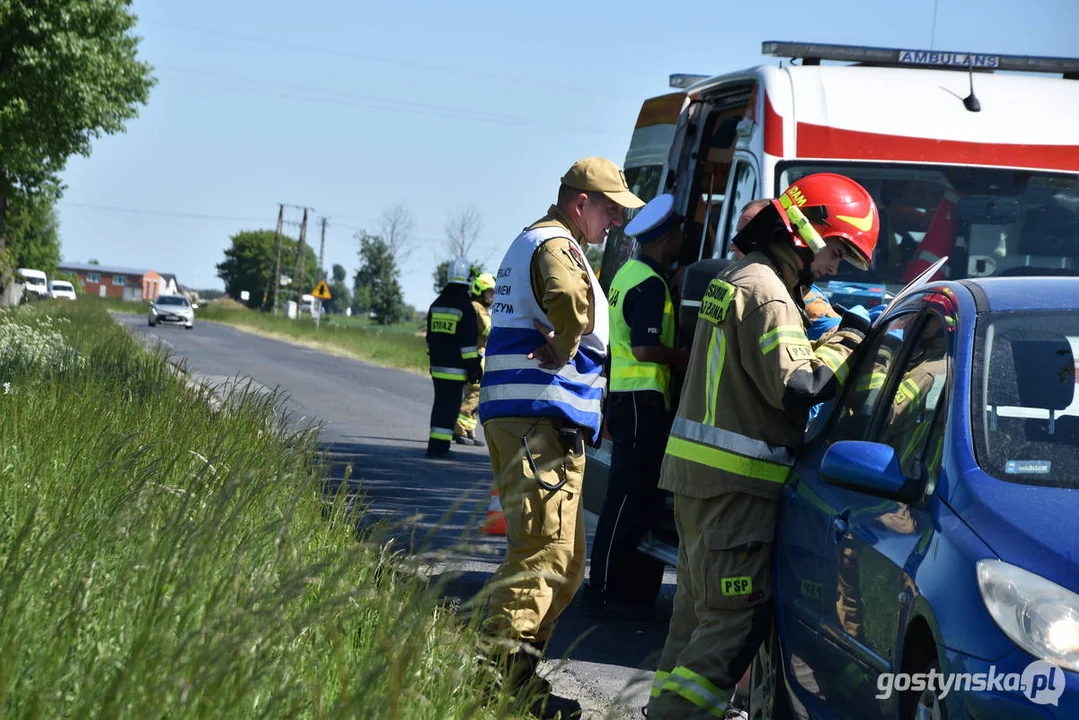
171	309
61	290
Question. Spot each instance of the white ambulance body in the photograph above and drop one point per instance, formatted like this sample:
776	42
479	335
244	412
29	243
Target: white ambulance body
991	181
1005	165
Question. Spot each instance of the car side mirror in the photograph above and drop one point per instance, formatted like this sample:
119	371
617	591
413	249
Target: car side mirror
870	468
194	306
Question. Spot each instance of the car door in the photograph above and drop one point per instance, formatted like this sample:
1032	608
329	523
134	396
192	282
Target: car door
805	542
874	540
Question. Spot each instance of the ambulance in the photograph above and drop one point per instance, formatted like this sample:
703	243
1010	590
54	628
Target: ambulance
970	156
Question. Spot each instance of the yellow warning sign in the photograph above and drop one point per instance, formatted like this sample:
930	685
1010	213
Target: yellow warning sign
321	291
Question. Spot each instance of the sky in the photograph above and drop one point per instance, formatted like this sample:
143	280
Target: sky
351	108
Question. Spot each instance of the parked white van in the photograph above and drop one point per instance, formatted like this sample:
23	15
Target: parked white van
61	290
34	281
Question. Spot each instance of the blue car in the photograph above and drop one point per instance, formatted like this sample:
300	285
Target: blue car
927	555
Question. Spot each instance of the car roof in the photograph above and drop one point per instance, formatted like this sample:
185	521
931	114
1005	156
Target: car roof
1004	294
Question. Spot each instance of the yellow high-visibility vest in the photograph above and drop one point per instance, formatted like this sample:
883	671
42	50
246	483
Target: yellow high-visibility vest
627	372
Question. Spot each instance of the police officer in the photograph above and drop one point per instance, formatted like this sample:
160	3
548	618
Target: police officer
752	378
622	582
452	329
540	404
483	294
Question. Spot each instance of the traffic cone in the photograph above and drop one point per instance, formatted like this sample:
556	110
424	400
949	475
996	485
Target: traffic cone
496	519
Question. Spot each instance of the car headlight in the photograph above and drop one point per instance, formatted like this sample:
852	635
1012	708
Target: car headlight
1037	614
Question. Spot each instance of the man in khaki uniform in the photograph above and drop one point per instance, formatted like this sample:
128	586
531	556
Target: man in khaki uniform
540	403
752	378
483	294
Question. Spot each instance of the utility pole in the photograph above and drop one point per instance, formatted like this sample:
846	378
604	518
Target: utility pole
275	278
321	273
301	256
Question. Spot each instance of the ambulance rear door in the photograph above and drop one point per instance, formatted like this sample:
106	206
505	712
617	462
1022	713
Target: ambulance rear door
646	169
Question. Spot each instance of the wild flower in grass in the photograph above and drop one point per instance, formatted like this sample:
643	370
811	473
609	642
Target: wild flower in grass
7	388
35	341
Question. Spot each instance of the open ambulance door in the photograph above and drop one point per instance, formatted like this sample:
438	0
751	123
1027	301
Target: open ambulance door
646	170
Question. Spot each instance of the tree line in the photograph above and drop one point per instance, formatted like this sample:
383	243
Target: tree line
251	260
69	73
375	291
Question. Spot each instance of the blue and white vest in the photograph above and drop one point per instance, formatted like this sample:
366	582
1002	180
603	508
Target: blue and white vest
513	385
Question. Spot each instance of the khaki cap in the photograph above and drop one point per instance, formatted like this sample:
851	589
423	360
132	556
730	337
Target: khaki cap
596	174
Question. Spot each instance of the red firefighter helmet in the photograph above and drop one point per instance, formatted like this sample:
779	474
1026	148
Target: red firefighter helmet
824	205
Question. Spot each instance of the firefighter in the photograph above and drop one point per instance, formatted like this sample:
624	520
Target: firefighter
540	403
622	582
752	378
452	330
483	294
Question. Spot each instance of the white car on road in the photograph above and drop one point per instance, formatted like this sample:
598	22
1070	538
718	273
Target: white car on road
61	290
171	309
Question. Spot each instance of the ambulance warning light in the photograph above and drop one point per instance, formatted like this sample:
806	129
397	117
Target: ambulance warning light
813	53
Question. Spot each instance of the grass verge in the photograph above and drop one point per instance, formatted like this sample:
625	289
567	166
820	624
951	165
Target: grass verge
397	346
159	559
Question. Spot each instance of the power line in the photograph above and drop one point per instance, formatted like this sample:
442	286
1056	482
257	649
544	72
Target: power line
367	57
161	213
369	102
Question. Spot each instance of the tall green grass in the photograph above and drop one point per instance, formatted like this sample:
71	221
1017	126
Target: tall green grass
398	346
160	559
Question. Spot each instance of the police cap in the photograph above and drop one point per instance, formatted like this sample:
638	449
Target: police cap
654	219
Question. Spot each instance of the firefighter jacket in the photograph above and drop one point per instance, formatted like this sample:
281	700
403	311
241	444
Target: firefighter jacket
452	330
483	322
753	375
628	374
544	278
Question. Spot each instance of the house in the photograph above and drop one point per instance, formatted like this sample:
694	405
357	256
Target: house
115	282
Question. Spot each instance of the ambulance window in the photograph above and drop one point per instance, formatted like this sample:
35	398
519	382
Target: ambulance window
743	190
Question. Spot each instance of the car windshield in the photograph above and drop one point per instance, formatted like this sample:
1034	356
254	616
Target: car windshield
34	281
168	300
1024	406
988	221
61	286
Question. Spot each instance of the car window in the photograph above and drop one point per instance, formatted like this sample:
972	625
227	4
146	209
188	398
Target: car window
744	190
166	300
1024	407
910	415
865	384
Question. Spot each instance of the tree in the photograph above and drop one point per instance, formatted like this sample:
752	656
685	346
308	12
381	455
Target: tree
33	233
339	291
68	74
442	273
462	231
378	280
251	260
395	228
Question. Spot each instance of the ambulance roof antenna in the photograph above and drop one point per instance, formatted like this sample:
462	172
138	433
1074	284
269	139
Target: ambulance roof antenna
970	102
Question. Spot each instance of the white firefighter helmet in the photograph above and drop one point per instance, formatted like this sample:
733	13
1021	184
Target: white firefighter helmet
459	271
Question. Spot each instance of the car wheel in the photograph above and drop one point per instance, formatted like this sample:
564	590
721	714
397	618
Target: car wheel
926	705
190	327
767	688
150	323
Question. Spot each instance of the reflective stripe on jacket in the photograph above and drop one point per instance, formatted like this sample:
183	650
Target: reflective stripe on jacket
627	372
451	335
513	385
752	377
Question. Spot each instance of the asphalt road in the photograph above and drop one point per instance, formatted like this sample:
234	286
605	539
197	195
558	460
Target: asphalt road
374	423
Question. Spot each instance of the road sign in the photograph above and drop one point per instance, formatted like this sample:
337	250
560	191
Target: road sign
321	291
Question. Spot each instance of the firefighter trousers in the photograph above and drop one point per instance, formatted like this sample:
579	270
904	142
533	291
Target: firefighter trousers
467	417
545	538
444	414
722	607
639	425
